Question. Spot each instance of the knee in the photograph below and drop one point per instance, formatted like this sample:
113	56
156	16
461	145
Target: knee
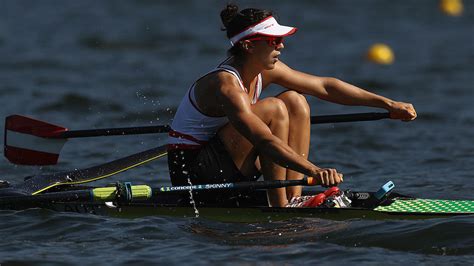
280	110
272	111
296	104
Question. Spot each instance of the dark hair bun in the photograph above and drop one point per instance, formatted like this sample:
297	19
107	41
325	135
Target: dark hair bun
228	14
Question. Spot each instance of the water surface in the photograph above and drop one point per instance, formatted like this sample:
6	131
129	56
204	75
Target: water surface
92	64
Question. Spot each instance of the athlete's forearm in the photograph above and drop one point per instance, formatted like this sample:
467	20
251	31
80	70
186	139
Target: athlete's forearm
341	92
326	88
285	156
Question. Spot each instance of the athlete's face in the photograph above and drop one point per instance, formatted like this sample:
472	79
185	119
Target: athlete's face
266	50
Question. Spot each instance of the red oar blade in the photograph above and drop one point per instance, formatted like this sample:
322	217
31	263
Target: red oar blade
32	142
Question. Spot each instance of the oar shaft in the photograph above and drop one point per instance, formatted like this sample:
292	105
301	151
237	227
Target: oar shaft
309	181
145	192
64	196
33	142
322	119
348	118
114	131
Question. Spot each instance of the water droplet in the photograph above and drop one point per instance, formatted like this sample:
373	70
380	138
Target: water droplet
196	212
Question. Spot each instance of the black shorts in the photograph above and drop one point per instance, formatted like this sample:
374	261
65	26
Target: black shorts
209	165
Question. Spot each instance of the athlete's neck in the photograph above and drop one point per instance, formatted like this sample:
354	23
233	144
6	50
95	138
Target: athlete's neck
247	69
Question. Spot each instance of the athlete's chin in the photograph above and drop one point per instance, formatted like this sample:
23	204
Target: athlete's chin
271	65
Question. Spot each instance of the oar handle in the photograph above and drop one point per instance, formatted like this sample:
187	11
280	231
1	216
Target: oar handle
322	119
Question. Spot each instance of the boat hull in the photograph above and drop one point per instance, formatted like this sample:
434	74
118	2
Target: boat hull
235	214
252	207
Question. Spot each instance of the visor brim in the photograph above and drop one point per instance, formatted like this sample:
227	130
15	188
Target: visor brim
278	31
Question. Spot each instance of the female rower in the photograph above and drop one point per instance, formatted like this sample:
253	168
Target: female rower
222	132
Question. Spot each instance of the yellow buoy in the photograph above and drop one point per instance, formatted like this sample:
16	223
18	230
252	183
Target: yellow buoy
451	7
381	54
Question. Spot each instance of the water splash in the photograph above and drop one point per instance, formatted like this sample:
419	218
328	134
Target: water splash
196	212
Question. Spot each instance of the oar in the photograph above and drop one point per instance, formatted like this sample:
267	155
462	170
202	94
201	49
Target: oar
38	183
30	141
357	117
127	193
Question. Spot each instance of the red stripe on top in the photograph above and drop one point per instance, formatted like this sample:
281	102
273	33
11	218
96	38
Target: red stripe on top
26	125
176	134
284	35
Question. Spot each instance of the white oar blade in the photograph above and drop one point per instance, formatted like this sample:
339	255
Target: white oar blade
28	141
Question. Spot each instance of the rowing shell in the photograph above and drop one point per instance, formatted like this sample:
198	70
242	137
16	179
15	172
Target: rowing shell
251	207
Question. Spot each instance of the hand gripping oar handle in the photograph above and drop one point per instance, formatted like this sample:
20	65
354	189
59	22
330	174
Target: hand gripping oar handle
142	192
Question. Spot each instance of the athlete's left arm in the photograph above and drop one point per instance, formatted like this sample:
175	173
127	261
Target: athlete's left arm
335	90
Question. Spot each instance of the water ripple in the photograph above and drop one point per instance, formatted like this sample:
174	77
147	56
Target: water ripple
73	103
426	237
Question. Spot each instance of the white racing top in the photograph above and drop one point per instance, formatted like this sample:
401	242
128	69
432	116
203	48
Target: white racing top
191	128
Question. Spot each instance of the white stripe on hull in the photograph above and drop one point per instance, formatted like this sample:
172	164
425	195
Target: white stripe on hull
30	142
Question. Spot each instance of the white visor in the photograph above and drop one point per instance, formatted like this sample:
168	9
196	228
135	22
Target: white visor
267	27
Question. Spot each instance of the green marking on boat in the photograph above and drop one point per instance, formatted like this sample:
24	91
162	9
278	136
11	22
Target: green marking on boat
109	193
429	206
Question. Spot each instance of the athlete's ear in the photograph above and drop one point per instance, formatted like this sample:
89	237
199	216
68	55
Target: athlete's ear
247	45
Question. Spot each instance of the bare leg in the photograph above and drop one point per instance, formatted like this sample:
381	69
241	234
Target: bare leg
274	113
299	133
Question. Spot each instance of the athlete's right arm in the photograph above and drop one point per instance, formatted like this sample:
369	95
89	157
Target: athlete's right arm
237	106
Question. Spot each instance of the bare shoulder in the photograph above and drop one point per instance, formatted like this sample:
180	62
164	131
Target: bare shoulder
226	78
226	83
215	87
216	80
210	90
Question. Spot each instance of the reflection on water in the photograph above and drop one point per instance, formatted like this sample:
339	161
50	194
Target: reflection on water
425	237
278	233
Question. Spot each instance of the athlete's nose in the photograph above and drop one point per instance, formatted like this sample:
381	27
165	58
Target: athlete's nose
280	46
